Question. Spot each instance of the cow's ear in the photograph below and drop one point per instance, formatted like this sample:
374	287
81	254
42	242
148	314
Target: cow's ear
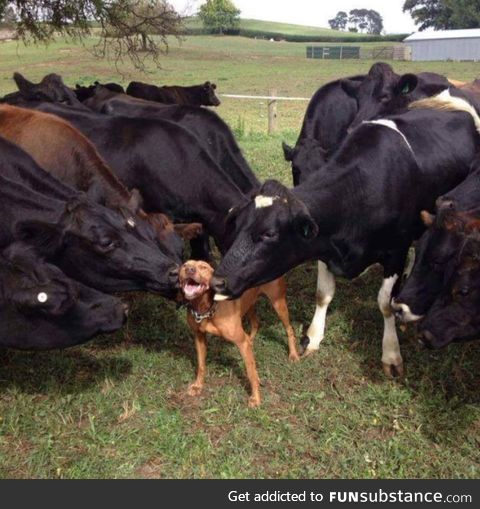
206	84
23	85
287	151
214	86
46	238
350	87
406	84
427	218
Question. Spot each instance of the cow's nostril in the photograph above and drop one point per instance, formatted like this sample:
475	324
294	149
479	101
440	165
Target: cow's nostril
173	272
426	338
219	284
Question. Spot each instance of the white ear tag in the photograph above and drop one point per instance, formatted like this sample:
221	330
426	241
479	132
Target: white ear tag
42	297
131	222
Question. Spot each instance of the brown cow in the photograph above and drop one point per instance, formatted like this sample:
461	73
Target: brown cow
65	153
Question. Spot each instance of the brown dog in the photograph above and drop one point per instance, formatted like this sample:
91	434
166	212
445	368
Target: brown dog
224	319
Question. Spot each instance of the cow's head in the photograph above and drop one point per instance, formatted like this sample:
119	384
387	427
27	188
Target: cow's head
306	158
373	94
40	307
209	97
274	231
50	89
433	254
454	315
103	249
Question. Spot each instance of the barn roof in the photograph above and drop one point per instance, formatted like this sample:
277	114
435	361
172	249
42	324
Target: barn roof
444	34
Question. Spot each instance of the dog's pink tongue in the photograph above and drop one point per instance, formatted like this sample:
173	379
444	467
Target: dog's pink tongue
190	289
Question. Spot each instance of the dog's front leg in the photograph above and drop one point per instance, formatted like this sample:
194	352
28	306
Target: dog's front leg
246	350
195	389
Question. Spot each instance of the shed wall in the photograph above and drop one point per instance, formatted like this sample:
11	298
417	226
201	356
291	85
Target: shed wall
446	49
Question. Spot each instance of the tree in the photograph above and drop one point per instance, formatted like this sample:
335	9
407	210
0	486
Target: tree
366	20
135	29
219	16
444	14
339	22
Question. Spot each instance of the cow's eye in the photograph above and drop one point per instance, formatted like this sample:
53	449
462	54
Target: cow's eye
106	245
269	235
463	291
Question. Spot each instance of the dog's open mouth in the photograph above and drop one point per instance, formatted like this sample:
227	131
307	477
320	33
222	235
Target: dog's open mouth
192	289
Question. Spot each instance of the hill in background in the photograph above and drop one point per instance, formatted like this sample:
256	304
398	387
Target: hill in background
290	32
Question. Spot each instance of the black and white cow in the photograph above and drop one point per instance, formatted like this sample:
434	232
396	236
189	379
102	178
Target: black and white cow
435	250
362	208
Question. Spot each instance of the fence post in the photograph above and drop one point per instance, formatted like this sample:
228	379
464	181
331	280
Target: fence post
272	112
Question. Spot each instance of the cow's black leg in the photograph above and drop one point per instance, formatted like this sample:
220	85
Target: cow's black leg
310	342
200	247
391	357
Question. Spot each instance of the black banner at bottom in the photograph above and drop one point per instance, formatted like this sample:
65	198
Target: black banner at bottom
239	494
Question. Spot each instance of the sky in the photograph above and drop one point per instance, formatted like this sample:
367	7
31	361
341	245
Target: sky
313	12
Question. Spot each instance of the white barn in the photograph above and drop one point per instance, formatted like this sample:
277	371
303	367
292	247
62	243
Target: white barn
445	45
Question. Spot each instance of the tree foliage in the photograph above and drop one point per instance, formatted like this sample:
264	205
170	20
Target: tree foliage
359	20
444	14
366	20
219	16
339	22
135	29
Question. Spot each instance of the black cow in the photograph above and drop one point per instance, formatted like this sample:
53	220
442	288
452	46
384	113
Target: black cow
454	315
83	93
330	112
436	248
342	105
196	95
91	243
41	308
362	208
50	89
165	163
210	130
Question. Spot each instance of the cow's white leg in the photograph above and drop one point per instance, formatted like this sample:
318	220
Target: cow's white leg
391	356
324	295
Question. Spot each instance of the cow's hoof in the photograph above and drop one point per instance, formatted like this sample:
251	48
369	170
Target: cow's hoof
304	342
393	370
194	390
308	352
253	402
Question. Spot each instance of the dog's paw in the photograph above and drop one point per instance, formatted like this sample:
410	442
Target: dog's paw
294	357
254	402
194	389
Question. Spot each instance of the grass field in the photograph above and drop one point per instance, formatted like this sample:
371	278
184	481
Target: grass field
117	406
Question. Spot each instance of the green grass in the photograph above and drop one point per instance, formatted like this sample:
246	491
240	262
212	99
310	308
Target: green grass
116	407
281	28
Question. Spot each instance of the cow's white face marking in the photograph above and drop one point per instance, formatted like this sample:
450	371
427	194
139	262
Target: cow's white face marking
391	125
42	297
131	222
262	202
